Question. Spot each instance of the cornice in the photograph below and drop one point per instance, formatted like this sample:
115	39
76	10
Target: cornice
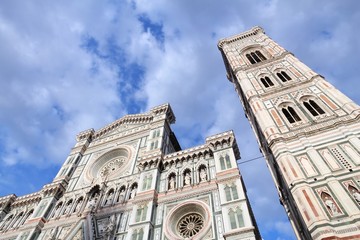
27	199
315	129
252	32
142	118
186	192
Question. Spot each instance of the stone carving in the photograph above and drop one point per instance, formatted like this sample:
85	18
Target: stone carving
330	204
109	198
109	227
92	202
354	193
203	175
133	192
121	196
172	182
187	179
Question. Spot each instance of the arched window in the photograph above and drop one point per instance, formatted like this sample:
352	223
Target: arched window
79	203
255	57
147	182
313	108
141	213
68	207
222	163
231	192
266	81
284	77
18	220
236	218
137	234
290	114
227	160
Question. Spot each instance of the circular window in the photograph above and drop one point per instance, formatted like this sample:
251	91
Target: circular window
114	163
190	225
188	220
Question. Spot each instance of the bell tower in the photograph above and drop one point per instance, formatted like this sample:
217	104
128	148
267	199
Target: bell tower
307	130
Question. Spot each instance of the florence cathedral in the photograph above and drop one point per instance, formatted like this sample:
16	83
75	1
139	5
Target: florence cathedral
131	180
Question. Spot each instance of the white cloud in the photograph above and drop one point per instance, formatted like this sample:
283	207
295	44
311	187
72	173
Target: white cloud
52	86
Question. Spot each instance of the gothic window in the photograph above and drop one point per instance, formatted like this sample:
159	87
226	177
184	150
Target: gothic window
28	215
222	163
255	57
290	114
67	207
18	220
6	222
147	182
266	81
137	234
78	204
313	108
284	77
231	192
236	218
141	214
225	162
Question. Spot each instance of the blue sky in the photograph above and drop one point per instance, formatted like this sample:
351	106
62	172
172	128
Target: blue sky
72	65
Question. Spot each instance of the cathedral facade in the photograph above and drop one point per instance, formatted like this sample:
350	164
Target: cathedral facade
131	180
307	130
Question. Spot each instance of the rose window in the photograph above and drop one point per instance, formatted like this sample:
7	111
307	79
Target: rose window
190	225
111	166
190	219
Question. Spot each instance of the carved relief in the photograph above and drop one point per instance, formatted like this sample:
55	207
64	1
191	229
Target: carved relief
329	202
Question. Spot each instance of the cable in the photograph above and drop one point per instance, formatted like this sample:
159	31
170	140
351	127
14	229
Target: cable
249	160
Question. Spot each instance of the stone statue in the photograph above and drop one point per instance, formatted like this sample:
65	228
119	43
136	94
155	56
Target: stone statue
203	175
133	192
78	205
121	196
109	227
109	198
92	202
331	205
356	195
172	182
187	179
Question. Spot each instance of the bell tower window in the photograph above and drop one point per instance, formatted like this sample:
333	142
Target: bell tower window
290	114
284	77
255	57
313	108
266	81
